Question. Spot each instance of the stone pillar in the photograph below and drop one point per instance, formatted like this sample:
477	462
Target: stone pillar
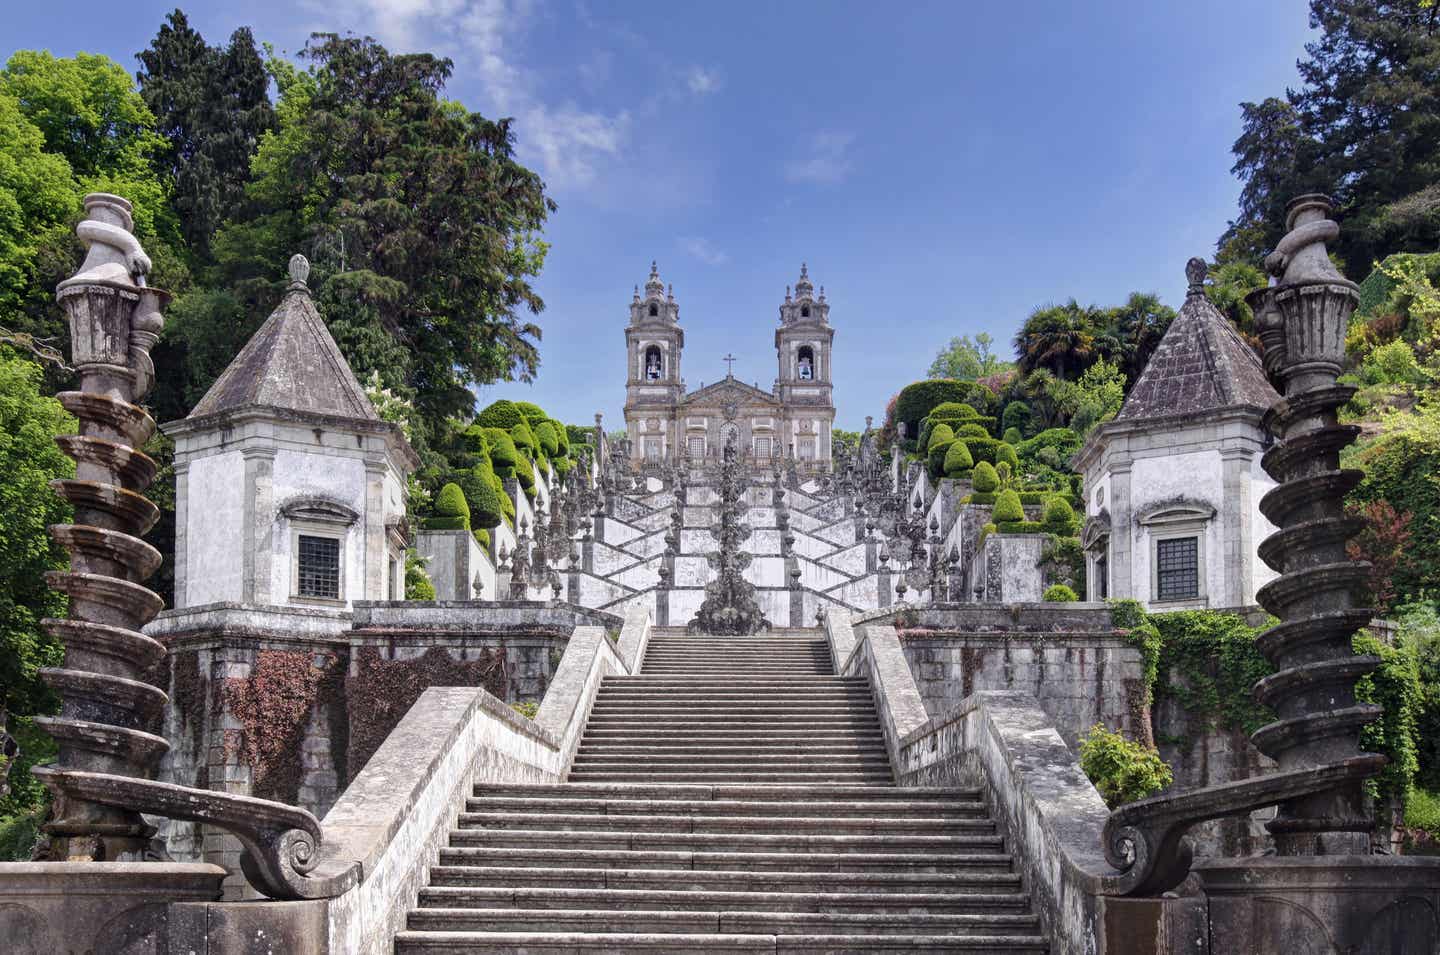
376	553
182	509
1122	535
1237	546
257	552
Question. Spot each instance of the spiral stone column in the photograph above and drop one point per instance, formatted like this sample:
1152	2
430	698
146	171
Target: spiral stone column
108	706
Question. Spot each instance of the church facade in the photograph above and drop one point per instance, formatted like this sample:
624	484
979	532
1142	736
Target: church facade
667	424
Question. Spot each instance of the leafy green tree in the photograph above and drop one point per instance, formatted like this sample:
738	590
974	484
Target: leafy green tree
421	227
1058	338
212	106
1130	333
968	359
1364	126
29	459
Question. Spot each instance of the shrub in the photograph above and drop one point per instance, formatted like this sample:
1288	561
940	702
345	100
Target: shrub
1059	593
479	486
500	414
916	400
562	435
953	411
1207	665
549	441
1422	810
482	537
533	413
1059	516
957	460
474	441
971	430
985	479
1121	770
1017	417
503	453
1393	364
1007	508
418	585
940	440
525	474
527	709
1395	685
1012	436
524	439
451	511
1005	454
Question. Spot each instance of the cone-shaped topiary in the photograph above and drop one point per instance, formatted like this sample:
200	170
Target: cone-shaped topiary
503	453
985	479
451	511
1005	454
941	437
1012	436
479	486
953	411
971	430
1059	593
957	460
500	414
1059	515
1007	507
1017	415
549	441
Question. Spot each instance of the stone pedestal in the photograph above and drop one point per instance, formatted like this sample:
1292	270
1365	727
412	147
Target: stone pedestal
119	908
1324	905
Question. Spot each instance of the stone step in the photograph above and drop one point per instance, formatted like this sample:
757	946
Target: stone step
800	794
650	681
643	840
872	778
720	762
661	735
735	693
723	880
759	722
753	824
720	922
784	861
623	943
730	709
898	808
459	896
756	746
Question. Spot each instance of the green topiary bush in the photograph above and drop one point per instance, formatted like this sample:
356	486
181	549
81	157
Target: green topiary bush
533	413
481	494
1005	454
418	585
940	440
971	430
500	414
482	537
1121	770
451	511
957	460
916	400
1059	516
985	480
549	441
562	435
1059	593
1007	508
524	440
503	453
525	474
1017	416
1011	436
953	411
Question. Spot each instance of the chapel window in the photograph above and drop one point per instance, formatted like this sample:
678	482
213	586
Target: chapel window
654	364
805	311
318	567
654	310
806	363
1177	568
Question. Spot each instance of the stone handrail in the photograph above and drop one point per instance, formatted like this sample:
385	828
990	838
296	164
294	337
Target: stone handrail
389	825
1003	742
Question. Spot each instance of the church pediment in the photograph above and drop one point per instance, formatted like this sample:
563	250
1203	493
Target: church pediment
731	391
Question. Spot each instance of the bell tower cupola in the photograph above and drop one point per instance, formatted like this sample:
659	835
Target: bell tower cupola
654	341
802	349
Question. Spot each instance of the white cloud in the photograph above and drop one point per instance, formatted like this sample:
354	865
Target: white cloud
828	161
569	141
703	250
702	81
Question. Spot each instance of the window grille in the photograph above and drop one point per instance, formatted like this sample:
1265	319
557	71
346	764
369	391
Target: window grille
1177	563
319	565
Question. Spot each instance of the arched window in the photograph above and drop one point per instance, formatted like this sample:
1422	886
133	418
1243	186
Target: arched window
654	309
654	364
805	364
804	311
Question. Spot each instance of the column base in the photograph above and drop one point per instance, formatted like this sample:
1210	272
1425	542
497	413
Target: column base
1324	905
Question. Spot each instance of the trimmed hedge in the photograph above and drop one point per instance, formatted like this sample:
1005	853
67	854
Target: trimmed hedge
562	435
1017	416
479	485
972	430
482	537
940	440
1007	508
1059	593
451	511
1059	515
916	400
1026	497
525	474
957	460
1005	452
534	414
500	414
524	439
1021	527
503	453
1012	436
986	481
549	441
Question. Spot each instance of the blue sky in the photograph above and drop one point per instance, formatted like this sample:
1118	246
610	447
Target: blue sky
943	167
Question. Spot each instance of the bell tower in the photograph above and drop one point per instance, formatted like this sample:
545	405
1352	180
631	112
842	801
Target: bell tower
804	385
654	341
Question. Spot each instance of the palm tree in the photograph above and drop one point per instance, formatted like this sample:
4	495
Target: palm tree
1058	337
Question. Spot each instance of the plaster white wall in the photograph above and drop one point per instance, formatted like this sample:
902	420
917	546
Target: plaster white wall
302	474
1196	476
214	518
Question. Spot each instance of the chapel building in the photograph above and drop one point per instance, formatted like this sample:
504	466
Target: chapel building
666	424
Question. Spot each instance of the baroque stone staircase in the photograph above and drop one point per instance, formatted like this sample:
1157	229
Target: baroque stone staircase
734	796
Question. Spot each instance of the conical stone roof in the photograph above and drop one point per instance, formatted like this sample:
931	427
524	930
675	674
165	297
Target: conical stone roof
1202	364
291	364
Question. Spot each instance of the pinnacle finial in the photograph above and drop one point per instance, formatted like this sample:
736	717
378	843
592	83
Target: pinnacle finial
804	270
1195	271
299	270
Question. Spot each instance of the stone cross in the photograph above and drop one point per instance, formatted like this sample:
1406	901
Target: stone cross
729	361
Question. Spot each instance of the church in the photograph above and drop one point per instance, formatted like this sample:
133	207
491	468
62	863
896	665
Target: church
666	424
